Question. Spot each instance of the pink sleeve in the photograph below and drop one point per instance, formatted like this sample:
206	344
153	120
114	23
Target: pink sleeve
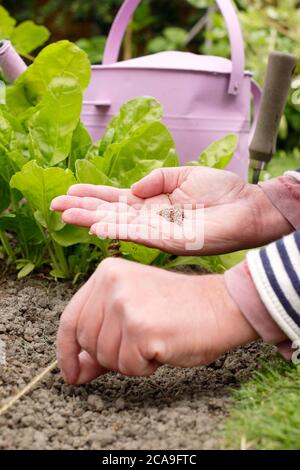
284	193
243	291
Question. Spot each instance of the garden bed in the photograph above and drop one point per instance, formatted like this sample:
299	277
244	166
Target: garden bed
174	409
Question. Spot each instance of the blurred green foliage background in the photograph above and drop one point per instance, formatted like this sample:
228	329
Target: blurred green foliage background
194	25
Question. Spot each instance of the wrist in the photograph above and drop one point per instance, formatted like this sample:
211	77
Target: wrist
242	289
233	328
270	223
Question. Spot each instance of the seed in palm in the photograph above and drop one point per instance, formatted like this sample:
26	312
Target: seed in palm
173	214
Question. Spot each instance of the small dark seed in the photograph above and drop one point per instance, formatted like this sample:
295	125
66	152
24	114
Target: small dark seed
173	214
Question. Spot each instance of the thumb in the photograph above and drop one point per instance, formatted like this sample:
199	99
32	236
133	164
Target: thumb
160	181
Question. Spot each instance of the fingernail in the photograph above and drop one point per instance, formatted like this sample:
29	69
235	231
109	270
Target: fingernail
101	237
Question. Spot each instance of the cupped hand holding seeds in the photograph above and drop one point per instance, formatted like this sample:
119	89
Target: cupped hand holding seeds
176	210
132	318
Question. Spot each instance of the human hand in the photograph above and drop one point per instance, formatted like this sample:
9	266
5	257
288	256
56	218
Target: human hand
235	215
132	318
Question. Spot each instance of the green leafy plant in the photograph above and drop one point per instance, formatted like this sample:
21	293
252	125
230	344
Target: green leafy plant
219	154
173	38
94	47
44	149
25	37
201	3
267	26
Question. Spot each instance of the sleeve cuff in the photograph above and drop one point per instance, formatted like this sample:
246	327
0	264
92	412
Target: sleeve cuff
284	194
242	289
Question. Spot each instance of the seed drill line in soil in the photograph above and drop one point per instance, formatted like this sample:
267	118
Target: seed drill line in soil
28	388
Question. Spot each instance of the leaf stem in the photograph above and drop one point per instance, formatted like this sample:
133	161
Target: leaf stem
23	240
6	245
28	57
14	202
53	259
60	257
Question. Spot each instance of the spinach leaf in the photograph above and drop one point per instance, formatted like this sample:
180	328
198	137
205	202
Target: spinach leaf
138	253
62	59
80	146
7	23
211	264
218	154
147	148
131	116
87	172
25	37
54	120
28	36
4	195
40	186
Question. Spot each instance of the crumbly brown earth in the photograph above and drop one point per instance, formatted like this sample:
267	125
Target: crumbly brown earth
174	409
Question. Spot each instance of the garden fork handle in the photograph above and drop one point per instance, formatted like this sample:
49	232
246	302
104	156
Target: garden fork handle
281	67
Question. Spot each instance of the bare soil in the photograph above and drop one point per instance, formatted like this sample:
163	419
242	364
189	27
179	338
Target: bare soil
174	409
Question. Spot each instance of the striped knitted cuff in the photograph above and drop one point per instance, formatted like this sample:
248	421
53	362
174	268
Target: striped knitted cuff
275	271
294	174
